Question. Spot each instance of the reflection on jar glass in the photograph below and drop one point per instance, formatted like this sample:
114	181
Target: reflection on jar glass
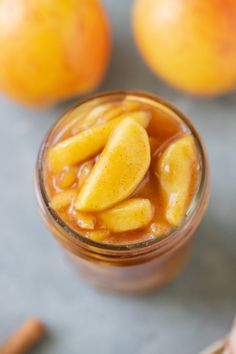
134	261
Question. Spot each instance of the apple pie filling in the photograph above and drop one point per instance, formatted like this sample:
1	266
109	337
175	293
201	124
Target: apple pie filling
122	172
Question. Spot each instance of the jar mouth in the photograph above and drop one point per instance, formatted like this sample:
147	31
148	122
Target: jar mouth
192	211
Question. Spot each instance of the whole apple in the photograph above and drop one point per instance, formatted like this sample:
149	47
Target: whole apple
189	43
52	49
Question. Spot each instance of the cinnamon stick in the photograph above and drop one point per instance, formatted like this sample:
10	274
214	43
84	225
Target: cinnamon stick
24	337
216	348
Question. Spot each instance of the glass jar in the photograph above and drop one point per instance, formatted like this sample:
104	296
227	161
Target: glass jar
136	267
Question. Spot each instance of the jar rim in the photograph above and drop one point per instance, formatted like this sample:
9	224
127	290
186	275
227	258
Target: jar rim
190	214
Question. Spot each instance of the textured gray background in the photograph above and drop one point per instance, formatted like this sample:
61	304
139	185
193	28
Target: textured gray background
182	318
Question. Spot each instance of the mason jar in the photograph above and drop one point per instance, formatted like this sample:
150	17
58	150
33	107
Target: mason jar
125	268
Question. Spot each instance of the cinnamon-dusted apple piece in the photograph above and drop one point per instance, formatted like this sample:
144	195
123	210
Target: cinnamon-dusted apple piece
175	170
88	143
85	220
119	169
132	214
66	178
106	112
98	235
63	199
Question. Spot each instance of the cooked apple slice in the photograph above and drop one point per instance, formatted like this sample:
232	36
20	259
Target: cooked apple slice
109	111
84	172
63	199
87	143
103	112
119	169
159	229
141	117
98	235
131	105
131	214
85	220
97	112
175	170
113	113
67	177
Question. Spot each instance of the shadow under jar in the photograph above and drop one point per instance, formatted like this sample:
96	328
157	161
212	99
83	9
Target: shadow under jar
139	265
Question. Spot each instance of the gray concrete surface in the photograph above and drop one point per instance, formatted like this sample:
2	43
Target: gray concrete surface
182	318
